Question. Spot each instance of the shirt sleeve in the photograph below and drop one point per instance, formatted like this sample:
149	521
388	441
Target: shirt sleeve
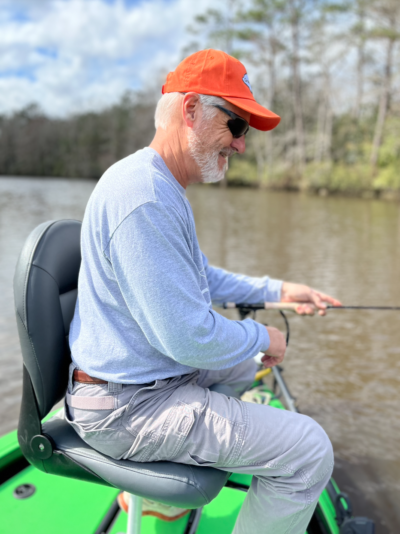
150	254
230	287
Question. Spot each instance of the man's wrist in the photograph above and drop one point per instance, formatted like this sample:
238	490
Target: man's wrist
273	290
284	290
266	339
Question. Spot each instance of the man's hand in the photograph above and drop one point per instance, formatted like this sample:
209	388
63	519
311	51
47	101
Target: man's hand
312	298
277	348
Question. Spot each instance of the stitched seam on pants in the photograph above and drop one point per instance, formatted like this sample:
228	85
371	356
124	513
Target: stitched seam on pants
308	495
131	453
145	456
178	447
242	432
239	427
268	465
308	503
232	457
240	443
329	468
308	485
163	434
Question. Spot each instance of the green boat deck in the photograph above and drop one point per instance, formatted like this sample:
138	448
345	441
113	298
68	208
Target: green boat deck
68	506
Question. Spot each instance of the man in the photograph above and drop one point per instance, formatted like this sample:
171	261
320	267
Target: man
146	344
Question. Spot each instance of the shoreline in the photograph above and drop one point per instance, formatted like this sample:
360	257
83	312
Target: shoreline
391	195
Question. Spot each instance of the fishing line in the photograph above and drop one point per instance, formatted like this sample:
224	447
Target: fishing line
287	327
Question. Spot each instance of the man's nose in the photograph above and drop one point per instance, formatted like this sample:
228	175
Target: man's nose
239	144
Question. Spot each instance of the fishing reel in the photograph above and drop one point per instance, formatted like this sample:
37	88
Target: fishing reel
246	309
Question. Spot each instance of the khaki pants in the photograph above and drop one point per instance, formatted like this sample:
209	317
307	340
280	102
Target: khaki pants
181	420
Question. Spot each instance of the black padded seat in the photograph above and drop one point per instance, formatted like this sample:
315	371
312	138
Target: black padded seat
179	485
45	291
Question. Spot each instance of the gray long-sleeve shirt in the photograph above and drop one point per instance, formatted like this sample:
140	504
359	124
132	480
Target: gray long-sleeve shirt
144	308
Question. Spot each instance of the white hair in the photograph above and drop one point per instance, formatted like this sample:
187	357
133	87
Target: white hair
168	103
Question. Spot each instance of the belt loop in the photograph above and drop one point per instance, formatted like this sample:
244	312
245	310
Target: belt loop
114	387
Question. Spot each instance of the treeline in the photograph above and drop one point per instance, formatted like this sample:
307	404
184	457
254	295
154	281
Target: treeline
81	146
330	68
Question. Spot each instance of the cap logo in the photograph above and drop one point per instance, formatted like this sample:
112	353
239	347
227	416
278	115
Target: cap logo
247	82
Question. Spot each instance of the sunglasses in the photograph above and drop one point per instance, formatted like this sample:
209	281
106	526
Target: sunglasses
236	124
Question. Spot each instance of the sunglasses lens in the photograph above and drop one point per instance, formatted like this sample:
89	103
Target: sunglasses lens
238	127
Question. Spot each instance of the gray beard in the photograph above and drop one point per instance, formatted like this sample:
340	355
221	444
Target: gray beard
207	163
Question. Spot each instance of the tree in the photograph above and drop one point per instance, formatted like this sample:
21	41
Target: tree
325	56
295	15
260	28
83	145
387	17
359	32
215	28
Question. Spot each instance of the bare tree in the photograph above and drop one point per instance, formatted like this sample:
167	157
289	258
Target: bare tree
260	27
360	32
295	15
387	13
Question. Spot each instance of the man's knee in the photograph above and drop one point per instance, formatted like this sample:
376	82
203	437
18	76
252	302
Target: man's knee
320	457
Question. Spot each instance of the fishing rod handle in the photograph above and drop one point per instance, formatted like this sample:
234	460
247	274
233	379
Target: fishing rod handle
291	306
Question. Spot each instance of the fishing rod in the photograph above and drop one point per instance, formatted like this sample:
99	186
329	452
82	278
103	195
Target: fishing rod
292	306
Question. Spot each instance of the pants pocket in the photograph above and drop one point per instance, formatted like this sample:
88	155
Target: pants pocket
113	442
102	430
215	441
207	458
174	432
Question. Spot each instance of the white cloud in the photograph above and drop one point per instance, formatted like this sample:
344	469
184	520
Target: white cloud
74	55
70	55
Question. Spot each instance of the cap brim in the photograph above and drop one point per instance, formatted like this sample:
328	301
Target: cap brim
261	118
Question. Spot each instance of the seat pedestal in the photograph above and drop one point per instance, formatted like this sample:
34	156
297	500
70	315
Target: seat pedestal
134	514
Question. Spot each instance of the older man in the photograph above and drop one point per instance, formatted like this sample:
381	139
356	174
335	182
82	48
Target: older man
145	335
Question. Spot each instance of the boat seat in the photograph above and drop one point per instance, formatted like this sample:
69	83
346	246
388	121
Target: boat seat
180	485
45	292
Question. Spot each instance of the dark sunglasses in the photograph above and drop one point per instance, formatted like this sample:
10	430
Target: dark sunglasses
236	124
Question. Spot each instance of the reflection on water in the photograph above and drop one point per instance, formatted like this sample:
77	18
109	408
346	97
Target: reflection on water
344	369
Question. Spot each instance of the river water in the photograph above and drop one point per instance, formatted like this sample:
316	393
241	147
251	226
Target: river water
344	369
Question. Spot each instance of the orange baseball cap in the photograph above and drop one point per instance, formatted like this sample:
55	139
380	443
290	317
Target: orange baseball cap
212	72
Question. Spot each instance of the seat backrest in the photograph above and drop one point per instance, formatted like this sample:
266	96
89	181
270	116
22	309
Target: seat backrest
45	291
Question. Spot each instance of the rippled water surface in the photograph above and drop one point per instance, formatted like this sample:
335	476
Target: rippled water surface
344	369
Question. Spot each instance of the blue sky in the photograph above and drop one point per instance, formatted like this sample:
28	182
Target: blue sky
73	55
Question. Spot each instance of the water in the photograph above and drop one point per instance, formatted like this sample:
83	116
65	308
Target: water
344	369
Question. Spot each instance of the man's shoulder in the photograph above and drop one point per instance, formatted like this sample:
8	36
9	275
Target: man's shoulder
129	180
138	179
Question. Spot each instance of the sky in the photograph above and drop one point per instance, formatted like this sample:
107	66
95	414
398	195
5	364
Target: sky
70	56
73	55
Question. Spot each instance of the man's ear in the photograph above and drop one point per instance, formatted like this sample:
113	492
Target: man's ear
191	109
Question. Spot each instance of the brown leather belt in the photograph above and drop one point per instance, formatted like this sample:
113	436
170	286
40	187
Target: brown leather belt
81	376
